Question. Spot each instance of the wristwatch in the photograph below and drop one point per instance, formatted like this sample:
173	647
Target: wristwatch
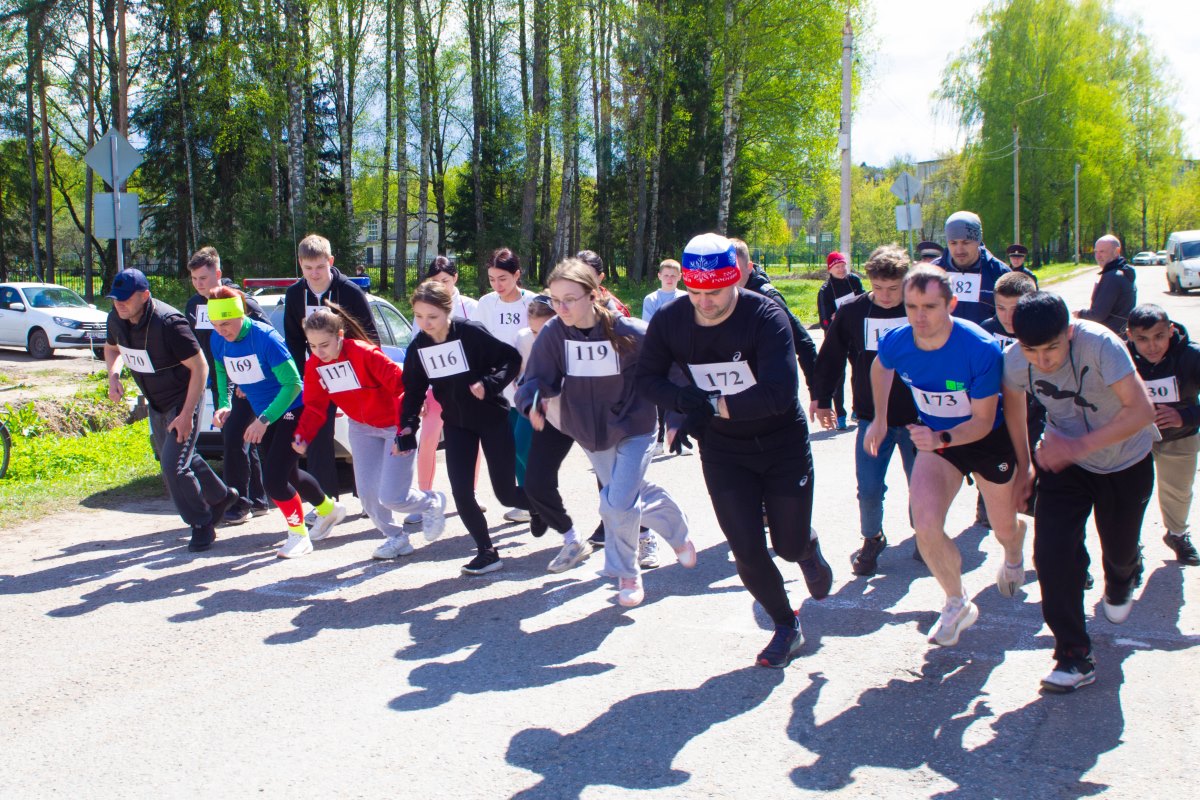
945	437
264	419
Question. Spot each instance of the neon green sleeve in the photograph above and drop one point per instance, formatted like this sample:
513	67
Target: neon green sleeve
289	388
222	380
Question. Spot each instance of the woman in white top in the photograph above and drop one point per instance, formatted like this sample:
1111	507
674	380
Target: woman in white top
503	312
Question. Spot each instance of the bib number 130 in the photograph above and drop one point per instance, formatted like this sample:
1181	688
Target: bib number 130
592	360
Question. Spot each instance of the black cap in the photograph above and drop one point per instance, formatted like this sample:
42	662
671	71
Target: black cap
1017	250
929	249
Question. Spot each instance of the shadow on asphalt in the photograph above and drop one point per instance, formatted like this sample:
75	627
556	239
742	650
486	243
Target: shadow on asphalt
1042	749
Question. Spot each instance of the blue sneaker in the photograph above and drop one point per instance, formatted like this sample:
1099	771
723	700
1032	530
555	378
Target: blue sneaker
841	423
783	647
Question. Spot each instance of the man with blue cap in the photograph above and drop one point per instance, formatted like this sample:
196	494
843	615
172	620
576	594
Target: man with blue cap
155	342
972	269
741	402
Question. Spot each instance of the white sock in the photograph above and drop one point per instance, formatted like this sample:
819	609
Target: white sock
570	537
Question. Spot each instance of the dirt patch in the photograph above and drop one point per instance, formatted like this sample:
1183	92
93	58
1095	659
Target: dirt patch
23	377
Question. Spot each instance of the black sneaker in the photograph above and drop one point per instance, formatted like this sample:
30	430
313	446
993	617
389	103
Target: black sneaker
864	561
1185	551
232	500
1070	674
537	525
784	645
258	511
1088	581
597	537
202	538
817	573
486	561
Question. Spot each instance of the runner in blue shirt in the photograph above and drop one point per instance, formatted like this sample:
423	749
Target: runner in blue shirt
954	370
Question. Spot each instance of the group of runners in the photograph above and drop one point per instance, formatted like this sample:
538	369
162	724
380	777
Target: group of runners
960	365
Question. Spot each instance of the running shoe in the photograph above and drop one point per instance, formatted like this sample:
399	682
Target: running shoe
236	516
516	515
841	423
487	561
537	526
648	551
413	518
817	572
1010	579
630	591
1185	551
258	511
657	451
394	547
957	615
325	524
296	545
202	538
310	518
1117	608
865	560
1070	674
218	510
687	554
433	519
597	537
784	645
571	554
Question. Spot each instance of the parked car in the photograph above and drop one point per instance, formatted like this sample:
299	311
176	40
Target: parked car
1160	258
1183	261
44	317
1143	259
395	333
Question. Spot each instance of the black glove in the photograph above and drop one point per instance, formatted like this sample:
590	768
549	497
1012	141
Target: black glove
692	398
680	441
406	442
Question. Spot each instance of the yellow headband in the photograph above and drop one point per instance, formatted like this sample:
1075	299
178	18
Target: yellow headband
223	308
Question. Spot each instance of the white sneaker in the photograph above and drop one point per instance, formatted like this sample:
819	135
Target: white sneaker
570	555
658	450
296	545
630	591
394	547
413	519
325	524
687	554
1010	579
310	518
957	615
516	515
648	552
433	519
1118	613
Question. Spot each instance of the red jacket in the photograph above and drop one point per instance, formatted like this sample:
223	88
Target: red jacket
363	382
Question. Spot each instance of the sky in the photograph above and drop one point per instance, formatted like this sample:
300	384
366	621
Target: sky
910	43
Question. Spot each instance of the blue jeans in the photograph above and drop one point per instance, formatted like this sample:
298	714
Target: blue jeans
872	470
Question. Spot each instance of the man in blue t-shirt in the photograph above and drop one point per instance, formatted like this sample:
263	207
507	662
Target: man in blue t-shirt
954	370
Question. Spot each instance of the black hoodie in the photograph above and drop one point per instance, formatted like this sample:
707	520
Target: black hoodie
806	351
1182	362
342	291
1113	297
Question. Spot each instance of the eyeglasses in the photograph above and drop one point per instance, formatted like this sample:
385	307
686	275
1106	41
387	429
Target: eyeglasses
562	302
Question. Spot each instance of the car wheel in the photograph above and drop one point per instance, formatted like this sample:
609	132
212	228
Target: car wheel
39	344
1171	286
98	352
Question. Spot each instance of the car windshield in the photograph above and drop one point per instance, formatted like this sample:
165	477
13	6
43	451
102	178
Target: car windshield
1190	249
53	297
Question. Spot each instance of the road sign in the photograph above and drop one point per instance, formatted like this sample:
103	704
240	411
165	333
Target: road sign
906	187
113	158
130	216
908	217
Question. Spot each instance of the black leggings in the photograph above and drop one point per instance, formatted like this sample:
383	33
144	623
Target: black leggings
743	478
320	460
1065	501
547	452
282	475
462	451
240	462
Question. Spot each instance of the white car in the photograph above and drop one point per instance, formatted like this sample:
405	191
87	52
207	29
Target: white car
1144	259
44	317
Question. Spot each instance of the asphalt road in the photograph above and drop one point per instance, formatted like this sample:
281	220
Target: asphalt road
133	669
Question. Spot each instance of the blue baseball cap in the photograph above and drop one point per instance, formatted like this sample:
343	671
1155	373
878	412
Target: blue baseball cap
126	283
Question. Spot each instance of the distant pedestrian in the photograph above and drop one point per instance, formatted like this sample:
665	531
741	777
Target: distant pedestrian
1115	292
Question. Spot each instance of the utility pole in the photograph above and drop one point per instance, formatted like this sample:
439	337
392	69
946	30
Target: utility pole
1016	184
1076	212
844	136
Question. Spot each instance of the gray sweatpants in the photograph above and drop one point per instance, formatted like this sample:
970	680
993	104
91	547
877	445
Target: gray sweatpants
194	487
384	481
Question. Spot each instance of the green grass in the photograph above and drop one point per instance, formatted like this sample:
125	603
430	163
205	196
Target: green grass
48	474
1051	273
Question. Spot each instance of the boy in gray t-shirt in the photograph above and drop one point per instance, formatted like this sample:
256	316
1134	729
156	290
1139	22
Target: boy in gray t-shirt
1094	458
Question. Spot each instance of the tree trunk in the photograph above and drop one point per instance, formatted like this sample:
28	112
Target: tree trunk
89	177
729	120
534	123
33	53
475	37
569	68
342	112
400	284
385	194
544	263
297	166
177	53
424	77
656	171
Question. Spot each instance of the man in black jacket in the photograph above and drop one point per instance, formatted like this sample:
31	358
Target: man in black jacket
1115	292
321	283
1169	363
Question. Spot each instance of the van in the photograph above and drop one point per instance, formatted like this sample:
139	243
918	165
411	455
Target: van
1183	261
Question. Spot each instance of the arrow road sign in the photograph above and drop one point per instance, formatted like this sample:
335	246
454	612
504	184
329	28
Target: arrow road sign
906	187
113	158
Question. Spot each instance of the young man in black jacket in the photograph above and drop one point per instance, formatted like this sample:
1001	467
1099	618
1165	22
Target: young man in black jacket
321	283
854	333
1169	363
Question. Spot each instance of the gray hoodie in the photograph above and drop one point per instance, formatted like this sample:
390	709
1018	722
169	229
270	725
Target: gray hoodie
599	404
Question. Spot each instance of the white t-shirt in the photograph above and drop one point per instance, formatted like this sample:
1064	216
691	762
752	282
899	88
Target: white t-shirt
524	346
463	307
504	320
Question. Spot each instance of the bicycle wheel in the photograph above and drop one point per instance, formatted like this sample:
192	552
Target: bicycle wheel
5	448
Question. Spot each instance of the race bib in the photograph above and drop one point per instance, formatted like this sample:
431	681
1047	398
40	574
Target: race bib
942	404
846	298
729	377
1163	390
966	286
137	360
444	360
1004	341
592	359
243	370
876	328
510	319
203	323
339	377
309	310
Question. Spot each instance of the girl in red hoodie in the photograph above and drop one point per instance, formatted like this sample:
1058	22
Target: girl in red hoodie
367	386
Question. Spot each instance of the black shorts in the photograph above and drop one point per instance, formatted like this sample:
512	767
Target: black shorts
992	457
